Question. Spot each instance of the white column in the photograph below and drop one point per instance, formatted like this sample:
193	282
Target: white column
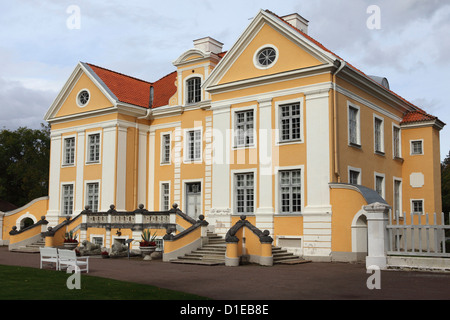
264	212
121	180
317	212
219	216
79	196
178	141
151	172
54	179
109	144
142	166
377	240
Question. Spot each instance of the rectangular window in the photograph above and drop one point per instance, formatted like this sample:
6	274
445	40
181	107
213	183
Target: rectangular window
378	135
194	90
244	128
69	151
94	147
290	122
165	194
396	142
417	206
397	198
244	193
353	125
98	241
92	196
67	208
165	148
194	145
353	177
379	185
290	191
416	147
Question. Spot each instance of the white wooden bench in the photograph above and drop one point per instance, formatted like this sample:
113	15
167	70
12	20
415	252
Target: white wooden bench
49	255
68	258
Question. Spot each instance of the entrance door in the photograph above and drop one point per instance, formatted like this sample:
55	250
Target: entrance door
193	199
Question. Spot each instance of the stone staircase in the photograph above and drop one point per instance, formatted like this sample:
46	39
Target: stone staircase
31	248
210	254
213	254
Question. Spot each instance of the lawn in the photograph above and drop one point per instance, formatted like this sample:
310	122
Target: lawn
23	283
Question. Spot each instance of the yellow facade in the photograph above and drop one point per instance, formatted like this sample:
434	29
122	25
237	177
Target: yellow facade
132	168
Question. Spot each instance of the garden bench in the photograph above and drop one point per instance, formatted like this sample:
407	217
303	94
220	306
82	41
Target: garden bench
49	255
68	258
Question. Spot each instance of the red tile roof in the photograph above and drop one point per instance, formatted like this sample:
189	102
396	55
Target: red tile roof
127	89
417	116
164	88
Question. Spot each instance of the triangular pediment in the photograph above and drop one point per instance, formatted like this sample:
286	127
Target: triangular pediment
67	103
294	51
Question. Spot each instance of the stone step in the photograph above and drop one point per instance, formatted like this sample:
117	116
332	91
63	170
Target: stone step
198	262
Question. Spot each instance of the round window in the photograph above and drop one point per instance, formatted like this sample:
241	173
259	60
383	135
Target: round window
83	98
266	56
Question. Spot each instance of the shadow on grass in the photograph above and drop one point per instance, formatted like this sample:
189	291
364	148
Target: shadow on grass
24	283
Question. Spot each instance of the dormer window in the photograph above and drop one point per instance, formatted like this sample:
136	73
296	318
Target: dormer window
194	93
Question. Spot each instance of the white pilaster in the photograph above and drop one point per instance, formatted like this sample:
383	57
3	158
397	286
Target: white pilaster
317	212
121	180
151	171
54	179
264	212
79	196
109	144
142	166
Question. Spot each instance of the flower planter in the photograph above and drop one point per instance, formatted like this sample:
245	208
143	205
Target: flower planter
147	251
70	245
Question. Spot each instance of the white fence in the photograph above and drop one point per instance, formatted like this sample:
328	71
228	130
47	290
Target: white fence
422	235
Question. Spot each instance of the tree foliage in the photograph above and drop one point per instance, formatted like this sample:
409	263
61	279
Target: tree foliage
445	184
24	164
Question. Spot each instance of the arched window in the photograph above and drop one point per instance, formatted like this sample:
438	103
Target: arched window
194	93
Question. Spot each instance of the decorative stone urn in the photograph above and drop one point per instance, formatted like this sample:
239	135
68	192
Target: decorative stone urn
70	245
147	251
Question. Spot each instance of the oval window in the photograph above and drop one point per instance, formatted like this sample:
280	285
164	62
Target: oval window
266	56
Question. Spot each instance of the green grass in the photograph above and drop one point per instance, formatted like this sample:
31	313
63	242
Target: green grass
23	283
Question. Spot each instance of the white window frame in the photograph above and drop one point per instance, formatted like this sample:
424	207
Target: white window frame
396	179
77	98
86	196
233	188
184	182
411	147
349	168
62	209
278	105
375	118
412	206
383	186
88	134
358	124
234	121
394	126
255	57
162	150
161	199
186	91
92	236
64	163
186	159
278	191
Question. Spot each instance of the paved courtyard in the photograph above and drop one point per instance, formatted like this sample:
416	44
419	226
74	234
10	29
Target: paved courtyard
309	281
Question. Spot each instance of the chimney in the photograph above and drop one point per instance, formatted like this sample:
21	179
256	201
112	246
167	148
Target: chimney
297	21
208	44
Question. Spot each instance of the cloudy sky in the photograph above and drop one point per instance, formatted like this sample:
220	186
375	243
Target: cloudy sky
42	41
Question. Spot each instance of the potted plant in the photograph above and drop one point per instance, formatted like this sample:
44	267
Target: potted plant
105	254
70	240
147	245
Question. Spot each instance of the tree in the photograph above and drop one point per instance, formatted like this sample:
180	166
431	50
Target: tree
24	164
445	184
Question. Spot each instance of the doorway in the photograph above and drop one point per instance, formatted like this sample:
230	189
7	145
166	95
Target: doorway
193	199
